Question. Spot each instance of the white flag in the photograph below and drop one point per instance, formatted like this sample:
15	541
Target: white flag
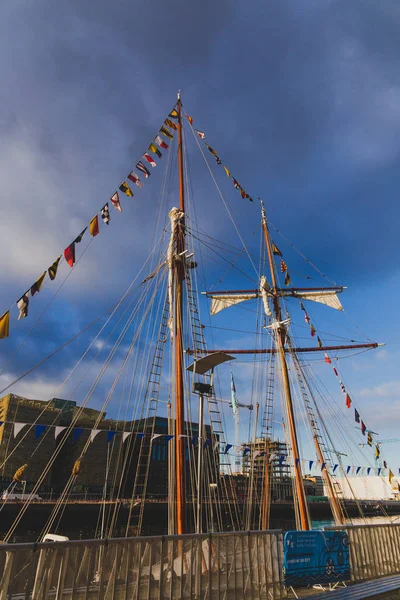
156	435
93	434
125	435
23	304
18	427
58	430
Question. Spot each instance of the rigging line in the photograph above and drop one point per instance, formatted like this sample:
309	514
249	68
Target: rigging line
301	254
215	243
111	308
225	204
42	313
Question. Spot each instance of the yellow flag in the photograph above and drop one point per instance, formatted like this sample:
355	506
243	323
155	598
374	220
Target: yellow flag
227	171
19	472
124	187
171	124
390	476
5	325
77	467
94	226
173	114
38	284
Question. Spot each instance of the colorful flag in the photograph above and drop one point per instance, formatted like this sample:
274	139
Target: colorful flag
80	236
277	252
124	187
336	373
115	202
174	114
348	401
385	464
171	124
369	439
363	427
219	161
356	416
377	452
320	346
200	134
144	169
149	159
94	226
236	184
390	476
189	119
213	152
153	148
306	318
327	359
165	131
283	266
52	270
342	387
105	214
287	283
228	173
158	140
38	284
5	325
23	304
69	254
312	328
135	179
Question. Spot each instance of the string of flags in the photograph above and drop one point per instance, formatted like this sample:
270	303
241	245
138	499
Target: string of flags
159	142
283	265
76	432
235	182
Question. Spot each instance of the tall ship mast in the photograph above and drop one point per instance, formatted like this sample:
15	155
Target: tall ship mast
162	363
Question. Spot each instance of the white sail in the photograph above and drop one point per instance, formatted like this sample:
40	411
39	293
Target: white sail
323	297
221	301
264	286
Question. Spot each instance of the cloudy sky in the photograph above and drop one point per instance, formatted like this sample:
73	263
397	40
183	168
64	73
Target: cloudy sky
302	102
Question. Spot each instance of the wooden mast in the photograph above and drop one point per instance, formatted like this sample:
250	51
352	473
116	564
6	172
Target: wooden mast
179	378
281	336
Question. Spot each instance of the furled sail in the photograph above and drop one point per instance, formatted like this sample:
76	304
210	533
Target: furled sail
327	297
264	286
221	301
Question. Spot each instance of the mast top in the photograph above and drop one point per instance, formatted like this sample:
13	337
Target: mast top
263	214
179	94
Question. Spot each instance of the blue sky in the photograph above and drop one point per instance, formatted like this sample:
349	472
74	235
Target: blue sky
301	100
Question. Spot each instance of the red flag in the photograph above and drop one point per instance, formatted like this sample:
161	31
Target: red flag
283	266
200	134
336	373
115	202
189	119
348	401
313	330
327	359
150	159
69	254
363	427
94	226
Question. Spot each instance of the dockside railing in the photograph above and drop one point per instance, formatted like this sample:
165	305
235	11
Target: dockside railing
374	550
228	566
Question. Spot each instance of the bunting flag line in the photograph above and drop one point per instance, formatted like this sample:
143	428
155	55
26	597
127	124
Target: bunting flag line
124	187
52	270
171	124
153	148
5	325
94	226
144	169
276	251
201	135
158	140
38	285
135	178
150	159
23	304
105	214
115	202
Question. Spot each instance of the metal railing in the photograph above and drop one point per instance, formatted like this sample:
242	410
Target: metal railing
228	566
374	550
